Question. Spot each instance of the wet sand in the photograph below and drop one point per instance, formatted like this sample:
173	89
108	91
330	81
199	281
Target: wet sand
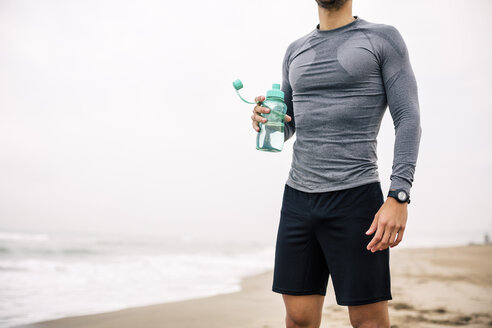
431	287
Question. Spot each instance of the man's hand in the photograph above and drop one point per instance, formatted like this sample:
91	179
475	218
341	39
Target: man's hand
389	221
256	117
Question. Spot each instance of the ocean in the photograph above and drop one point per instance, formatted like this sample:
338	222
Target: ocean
47	276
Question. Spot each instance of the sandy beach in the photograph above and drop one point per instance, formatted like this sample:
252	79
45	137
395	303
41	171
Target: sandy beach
431	287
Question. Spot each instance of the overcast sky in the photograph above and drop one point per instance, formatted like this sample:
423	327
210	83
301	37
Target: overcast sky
120	117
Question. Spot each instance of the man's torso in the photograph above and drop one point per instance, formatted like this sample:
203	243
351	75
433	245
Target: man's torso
339	100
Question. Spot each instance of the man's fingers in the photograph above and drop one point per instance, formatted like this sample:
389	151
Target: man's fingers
287	118
400	237
259	99
387	242
256	117
256	126
377	238
394	234
383	242
387	235
258	109
373	226
388	239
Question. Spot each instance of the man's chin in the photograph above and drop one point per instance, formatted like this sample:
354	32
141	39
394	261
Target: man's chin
331	4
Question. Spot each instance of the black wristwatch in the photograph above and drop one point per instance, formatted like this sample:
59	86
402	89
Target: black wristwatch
400	195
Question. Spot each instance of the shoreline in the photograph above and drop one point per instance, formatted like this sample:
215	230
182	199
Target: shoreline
450	286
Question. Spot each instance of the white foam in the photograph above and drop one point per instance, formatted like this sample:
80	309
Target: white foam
15	236
35	289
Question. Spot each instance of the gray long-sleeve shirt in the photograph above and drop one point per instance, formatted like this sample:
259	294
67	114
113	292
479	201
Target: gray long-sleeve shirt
337	85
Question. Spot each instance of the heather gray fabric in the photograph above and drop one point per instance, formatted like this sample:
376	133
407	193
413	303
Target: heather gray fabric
338	84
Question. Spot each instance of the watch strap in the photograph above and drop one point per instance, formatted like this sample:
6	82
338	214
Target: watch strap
396	193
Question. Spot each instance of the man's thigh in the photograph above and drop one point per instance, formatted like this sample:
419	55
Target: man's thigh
341	219
373	313
304	310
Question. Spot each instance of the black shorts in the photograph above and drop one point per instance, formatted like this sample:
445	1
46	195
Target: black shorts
322	234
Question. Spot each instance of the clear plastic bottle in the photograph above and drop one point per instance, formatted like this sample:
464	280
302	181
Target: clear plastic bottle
271	134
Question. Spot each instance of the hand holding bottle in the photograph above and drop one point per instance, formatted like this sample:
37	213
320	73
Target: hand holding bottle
270	136
257	110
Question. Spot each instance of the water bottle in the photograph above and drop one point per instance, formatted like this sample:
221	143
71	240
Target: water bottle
271	135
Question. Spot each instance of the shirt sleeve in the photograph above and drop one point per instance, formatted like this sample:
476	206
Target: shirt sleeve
402	98
290	127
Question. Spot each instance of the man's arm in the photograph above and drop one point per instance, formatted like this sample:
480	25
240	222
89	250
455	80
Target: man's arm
290	127
402	97
401	94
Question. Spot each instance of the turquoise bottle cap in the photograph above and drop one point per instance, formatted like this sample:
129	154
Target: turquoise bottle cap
237	84
275	92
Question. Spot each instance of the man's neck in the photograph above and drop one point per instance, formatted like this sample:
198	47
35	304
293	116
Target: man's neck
329	20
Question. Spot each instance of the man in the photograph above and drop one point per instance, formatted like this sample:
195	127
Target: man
338	81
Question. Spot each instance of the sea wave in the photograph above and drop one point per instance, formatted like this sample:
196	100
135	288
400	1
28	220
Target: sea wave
90	277
23	237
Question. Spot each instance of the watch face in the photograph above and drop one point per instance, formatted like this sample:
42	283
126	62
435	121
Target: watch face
402	195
